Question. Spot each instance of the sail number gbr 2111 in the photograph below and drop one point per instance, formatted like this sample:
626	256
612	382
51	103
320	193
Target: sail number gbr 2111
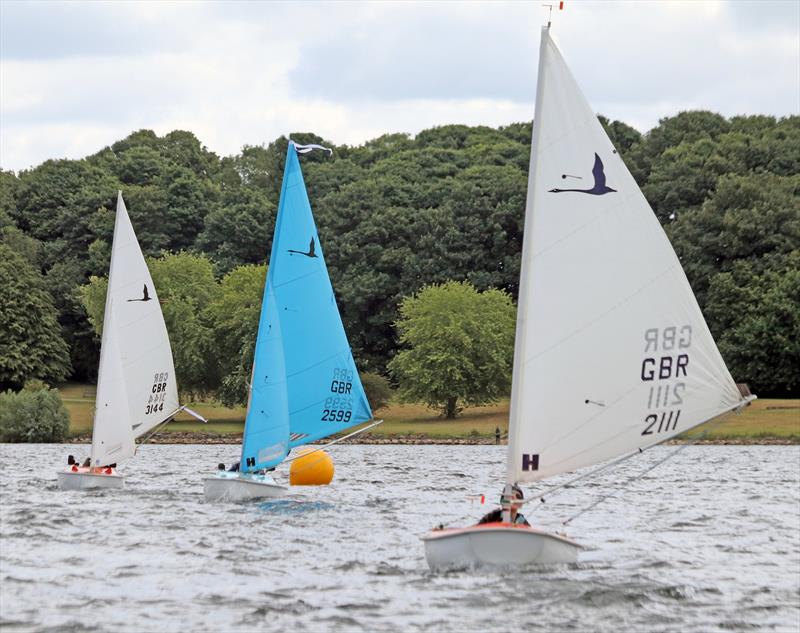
665	366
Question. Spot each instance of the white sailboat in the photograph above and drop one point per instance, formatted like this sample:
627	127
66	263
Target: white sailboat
136	386
612	354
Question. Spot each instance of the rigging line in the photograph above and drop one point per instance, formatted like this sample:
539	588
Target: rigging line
713	422
643	473
158	426
549	491
336	441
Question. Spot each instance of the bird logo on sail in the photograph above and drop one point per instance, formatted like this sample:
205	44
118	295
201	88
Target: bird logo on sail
599	174
145	295
310	252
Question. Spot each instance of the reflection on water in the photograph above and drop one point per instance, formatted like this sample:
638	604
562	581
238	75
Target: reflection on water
709	540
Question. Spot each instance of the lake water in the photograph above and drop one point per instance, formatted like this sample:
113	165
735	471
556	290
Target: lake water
709	540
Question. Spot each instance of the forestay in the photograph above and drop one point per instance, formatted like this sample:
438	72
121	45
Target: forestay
612	352
136	386
305	385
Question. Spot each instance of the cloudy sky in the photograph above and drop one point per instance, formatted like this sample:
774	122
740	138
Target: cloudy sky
77	76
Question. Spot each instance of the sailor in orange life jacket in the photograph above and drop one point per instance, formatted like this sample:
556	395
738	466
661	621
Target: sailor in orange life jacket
496	516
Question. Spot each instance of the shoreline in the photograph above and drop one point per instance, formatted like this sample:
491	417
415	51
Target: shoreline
180	437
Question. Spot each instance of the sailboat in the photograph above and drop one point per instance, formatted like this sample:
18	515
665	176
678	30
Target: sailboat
304	384
612	354
136	386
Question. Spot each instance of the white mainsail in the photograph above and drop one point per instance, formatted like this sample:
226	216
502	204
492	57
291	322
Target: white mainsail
136	386
612	353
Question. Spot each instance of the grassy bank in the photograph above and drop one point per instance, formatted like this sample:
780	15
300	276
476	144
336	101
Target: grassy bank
763	420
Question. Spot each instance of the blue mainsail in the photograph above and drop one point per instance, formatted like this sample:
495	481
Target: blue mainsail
305	385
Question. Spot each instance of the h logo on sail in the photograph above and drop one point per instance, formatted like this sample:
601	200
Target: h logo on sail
530	462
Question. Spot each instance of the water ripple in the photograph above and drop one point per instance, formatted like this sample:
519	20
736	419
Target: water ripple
707	541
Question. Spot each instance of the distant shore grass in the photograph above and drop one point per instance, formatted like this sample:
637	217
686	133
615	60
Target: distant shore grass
762	420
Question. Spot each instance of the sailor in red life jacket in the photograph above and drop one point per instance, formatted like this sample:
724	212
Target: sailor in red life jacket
496	516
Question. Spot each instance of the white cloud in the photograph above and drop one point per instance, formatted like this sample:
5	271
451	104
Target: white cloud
77	76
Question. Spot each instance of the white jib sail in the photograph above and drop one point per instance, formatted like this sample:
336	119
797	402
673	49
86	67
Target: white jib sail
136	386
612	352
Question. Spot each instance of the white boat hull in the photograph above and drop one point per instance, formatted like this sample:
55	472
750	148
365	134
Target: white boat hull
237	486
89	479
496	544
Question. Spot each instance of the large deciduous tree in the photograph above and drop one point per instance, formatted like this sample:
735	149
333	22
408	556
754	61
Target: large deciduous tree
747	218
233	319
458	346
754	312
31	345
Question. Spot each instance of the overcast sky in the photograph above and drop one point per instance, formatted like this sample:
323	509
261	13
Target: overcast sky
77	76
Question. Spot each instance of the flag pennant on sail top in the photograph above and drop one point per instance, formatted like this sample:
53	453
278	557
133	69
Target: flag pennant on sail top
305	149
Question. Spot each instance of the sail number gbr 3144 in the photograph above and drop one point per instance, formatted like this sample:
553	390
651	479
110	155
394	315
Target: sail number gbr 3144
158	393
665	366
339	405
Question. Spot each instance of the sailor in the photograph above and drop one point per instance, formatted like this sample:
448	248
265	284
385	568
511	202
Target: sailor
496	516
87	462
234	468
71	461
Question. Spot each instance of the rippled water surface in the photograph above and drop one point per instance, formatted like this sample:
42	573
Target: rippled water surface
709	540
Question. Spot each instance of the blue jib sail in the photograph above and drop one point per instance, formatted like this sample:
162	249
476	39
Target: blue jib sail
305	385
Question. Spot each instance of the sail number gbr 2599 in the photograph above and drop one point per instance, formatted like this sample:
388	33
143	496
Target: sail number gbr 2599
339	406
665	366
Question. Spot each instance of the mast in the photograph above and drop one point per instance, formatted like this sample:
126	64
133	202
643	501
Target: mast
523	300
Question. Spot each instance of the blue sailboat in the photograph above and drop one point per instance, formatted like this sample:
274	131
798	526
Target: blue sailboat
304	385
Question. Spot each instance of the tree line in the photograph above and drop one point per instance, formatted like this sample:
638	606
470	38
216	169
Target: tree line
395	215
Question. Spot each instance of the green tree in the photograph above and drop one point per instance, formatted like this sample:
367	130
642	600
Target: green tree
379	391
186	285
57	201
31	345
459	346
685	175
9	184
35	414
233	321
755	317
239	231
688	127
746	218
63	281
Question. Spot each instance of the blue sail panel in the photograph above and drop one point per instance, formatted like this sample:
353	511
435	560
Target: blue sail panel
325	394
266	429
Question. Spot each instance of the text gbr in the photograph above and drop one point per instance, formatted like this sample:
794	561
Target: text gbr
339	408
666	361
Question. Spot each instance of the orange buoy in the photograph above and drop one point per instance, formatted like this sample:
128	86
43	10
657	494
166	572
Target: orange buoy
312	468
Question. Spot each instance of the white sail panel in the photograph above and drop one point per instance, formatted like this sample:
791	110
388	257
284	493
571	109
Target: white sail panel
612	351
141	391
112	439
